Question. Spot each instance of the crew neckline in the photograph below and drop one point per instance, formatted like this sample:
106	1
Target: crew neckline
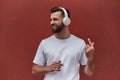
63	39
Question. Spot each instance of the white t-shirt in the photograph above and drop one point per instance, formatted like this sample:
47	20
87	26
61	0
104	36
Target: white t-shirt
70	51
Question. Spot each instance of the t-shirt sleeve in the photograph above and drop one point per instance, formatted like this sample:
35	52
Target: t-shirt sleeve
83	60
40	57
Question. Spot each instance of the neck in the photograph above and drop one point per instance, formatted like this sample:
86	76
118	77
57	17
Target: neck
64	34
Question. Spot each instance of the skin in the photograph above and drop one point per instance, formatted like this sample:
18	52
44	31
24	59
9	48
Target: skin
56	21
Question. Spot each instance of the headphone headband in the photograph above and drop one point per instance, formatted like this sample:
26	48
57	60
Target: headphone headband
66	19
64	10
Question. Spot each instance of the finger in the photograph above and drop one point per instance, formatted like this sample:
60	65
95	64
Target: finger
60	63
56	62
92	44
89	41
55	65
87	46
57	69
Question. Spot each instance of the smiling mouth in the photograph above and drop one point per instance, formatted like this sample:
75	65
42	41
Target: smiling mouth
54	27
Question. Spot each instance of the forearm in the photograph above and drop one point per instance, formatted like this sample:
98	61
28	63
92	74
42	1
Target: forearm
89	49
39	70
55	66
89	68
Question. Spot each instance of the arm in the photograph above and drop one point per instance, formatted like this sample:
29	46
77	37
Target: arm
39	70
89	68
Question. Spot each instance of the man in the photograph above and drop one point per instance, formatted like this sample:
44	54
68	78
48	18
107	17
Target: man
59	56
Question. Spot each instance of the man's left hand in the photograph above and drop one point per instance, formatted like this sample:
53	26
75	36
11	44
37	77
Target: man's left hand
89	49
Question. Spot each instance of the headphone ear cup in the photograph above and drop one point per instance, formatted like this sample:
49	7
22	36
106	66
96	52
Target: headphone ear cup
66	21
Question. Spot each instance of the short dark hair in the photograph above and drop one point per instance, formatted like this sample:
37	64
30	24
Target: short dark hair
55	9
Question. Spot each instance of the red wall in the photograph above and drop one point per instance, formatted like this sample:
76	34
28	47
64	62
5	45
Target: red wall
23	23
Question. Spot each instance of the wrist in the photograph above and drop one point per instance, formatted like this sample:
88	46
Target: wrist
90	62
48	69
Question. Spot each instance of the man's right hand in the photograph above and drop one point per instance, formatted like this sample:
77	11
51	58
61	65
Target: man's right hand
38	69
55	66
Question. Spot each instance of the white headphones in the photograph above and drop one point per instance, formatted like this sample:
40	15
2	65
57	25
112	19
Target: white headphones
66	19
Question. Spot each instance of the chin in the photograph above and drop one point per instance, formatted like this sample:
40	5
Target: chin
53	31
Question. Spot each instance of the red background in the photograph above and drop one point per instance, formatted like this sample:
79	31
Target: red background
24	23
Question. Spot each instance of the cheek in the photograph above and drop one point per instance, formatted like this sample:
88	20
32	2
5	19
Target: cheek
60	23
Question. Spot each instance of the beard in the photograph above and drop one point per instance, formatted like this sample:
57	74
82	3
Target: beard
56	28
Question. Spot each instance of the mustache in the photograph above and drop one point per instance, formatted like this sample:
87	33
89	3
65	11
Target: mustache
53	25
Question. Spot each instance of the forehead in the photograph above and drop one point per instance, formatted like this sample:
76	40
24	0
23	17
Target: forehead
56	14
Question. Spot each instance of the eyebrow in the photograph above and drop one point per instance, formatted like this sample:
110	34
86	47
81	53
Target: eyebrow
54	19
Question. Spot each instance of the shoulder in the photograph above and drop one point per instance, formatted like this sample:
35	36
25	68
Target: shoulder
78	39
45	41
48	39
